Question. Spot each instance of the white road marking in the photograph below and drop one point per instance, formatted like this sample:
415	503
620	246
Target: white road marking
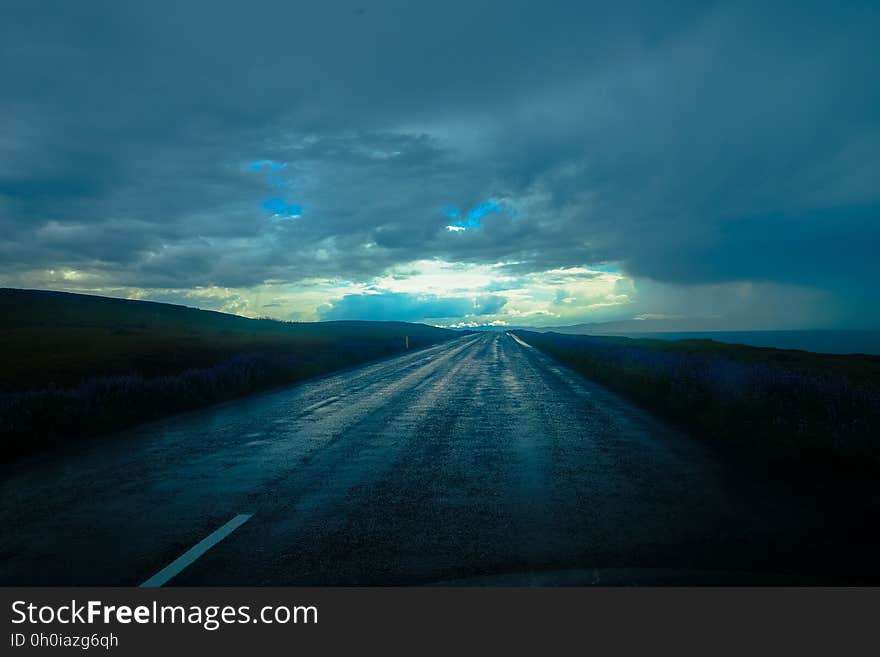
197	550
524	344
320	404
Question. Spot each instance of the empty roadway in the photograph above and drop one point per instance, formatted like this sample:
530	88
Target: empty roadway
479	460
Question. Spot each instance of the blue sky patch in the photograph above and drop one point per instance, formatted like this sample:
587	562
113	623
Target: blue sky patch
473	216
271	165
481	211
281	208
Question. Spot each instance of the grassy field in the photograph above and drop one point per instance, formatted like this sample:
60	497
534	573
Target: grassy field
76	365
807	413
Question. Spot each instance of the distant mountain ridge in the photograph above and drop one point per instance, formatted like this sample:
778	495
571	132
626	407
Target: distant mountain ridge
828	341
634	326
24	307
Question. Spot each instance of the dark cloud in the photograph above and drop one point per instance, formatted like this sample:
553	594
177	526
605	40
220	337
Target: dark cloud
691	143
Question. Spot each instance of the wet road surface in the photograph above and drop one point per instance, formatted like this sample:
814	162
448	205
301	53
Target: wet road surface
479	461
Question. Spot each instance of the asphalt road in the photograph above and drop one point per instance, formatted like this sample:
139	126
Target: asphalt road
477	461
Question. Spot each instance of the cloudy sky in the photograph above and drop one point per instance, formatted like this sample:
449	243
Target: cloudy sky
480	162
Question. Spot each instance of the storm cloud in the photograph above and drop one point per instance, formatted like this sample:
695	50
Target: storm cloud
295	155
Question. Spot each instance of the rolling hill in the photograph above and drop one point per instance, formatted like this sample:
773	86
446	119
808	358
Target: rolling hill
75	364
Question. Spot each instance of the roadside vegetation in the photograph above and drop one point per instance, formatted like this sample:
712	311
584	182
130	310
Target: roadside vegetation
806	413
76	365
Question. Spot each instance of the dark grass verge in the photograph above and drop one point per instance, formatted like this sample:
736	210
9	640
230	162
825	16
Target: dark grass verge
75	366
810	416
35	420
